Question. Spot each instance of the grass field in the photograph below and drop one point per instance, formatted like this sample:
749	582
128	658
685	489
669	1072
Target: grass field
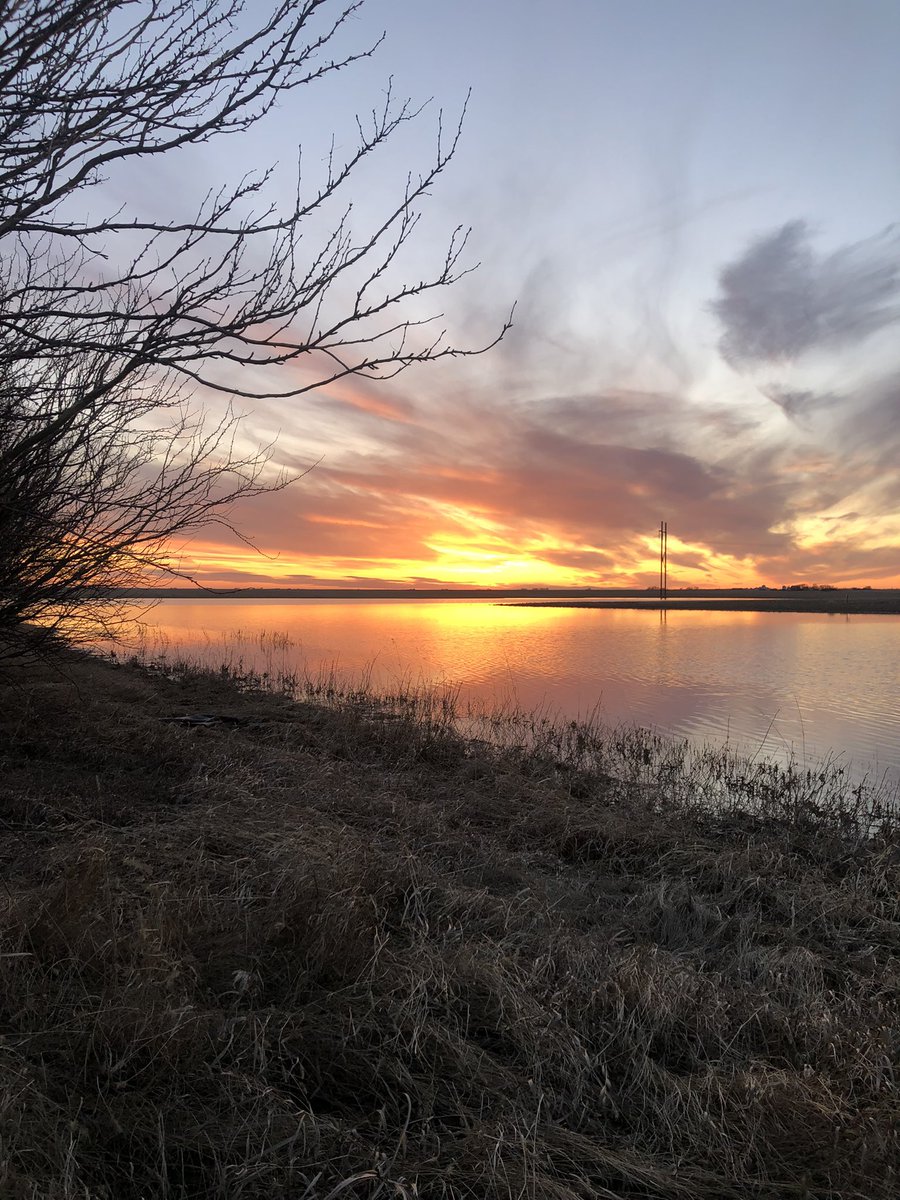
329	948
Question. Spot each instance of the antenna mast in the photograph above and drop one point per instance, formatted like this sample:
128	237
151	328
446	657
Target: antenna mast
663	560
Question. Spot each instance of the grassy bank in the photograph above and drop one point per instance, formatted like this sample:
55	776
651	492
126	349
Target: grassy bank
328	948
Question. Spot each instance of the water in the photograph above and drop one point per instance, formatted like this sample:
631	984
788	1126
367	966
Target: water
784	685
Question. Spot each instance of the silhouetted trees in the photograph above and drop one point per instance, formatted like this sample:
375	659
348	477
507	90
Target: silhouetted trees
109	320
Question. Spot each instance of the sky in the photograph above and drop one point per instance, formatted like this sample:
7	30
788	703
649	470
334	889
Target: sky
695	207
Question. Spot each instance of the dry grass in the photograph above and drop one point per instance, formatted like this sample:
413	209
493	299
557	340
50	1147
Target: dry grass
330	949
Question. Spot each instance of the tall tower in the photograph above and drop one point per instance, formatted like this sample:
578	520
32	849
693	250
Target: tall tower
663	559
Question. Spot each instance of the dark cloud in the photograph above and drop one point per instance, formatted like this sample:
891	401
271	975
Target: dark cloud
781	299
683	558
583	560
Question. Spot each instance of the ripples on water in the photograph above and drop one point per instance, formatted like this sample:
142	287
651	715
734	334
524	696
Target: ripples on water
788	685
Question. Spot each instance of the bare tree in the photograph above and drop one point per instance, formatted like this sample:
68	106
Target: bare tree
95	507
106	320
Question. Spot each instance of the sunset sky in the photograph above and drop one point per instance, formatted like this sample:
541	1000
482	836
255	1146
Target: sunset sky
694	205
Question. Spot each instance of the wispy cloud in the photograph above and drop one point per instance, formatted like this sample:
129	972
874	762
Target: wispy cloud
554	458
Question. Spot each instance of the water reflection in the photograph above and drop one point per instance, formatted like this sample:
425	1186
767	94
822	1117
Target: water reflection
772	683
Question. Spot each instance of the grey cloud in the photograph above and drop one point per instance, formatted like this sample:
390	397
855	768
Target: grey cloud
861	427
643	418
873	427
780	299
799	404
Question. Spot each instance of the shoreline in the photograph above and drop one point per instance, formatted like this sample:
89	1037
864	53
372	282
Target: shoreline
871	601
844	604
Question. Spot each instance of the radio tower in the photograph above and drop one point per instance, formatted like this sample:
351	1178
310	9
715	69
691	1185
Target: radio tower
663	560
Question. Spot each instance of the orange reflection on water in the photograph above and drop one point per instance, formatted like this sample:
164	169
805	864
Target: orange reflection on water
788	684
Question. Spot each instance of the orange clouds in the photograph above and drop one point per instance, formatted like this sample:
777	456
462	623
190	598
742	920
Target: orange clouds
373	404
461	483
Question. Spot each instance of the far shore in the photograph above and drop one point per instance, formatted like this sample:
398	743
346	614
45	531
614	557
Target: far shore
873	602
876	601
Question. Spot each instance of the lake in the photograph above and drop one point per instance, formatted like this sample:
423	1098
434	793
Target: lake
774	684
